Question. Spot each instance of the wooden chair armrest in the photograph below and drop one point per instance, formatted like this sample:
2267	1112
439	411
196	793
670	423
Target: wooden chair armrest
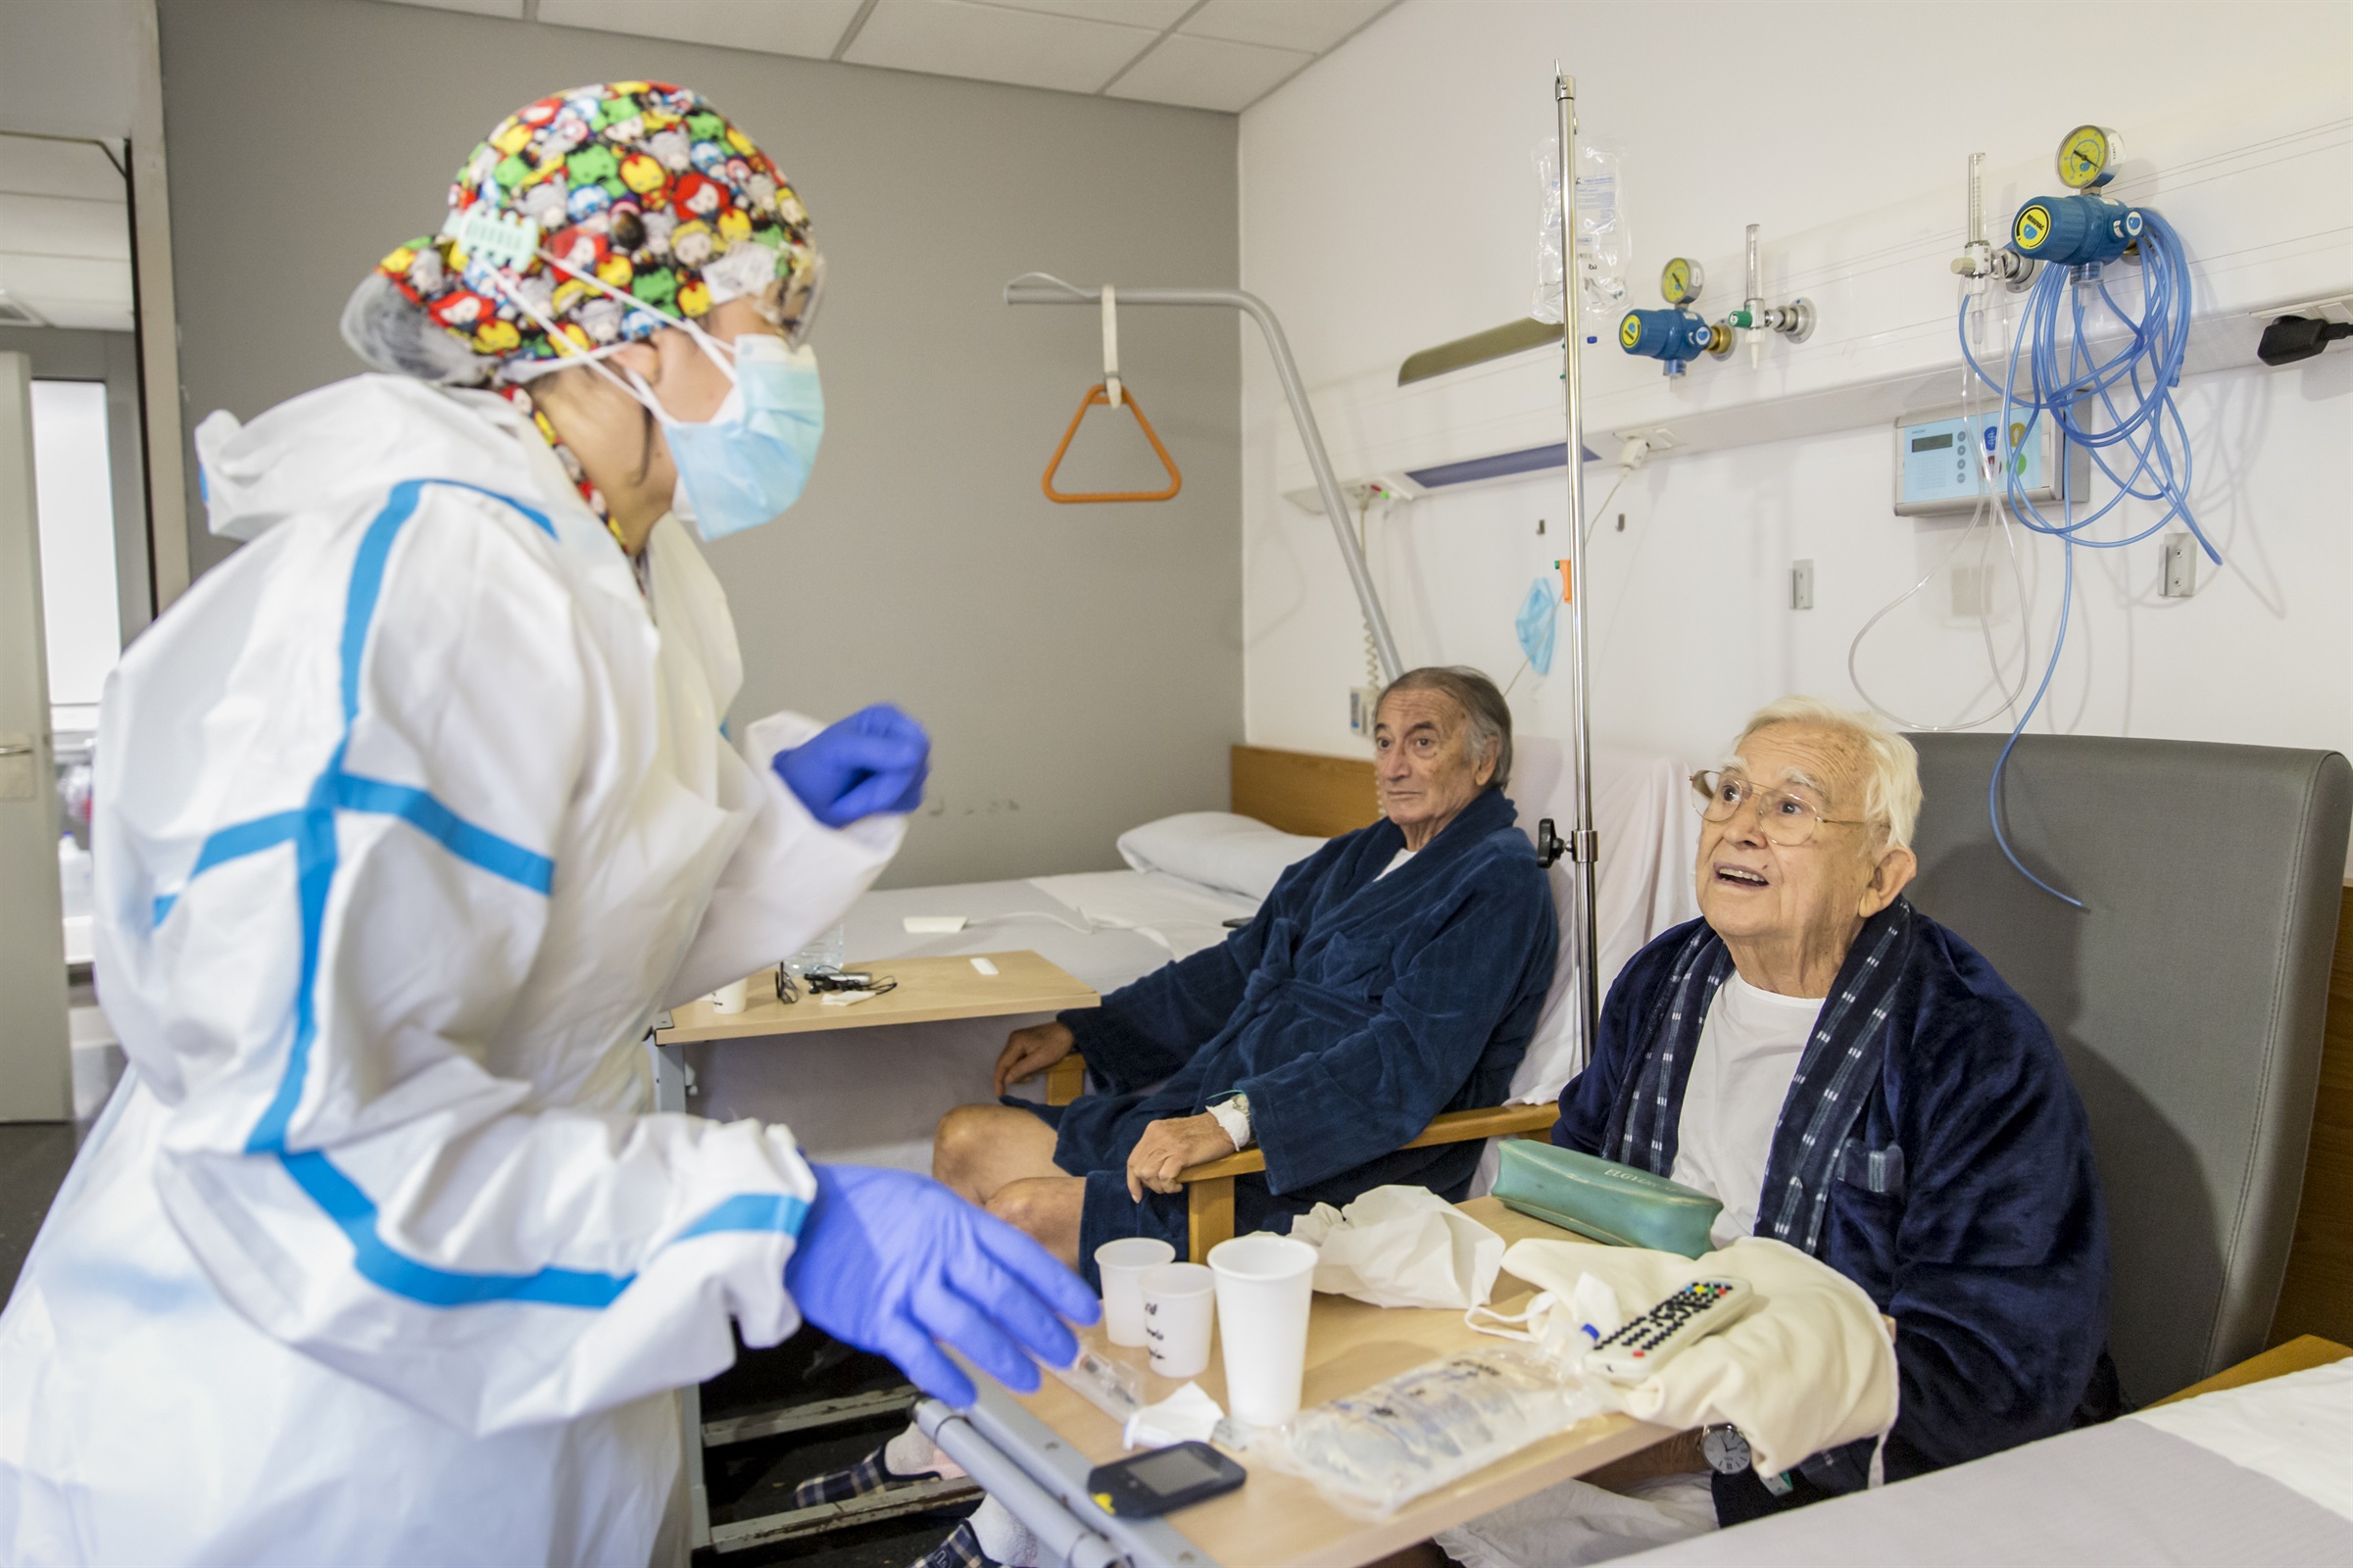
1209	1185
1066	1080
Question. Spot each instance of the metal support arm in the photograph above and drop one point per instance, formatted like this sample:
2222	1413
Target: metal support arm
1040	288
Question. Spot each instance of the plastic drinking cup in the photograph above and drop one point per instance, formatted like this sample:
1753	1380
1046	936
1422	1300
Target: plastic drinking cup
1178	1304
1265	1284
1122	1264
731	998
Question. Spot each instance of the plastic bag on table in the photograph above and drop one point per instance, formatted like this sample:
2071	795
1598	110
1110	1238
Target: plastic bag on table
1375	1452
1604	233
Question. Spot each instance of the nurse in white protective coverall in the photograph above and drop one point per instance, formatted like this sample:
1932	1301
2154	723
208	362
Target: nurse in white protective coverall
409	817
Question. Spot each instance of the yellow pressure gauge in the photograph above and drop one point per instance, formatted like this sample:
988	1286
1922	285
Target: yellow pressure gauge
2088	157
1681	281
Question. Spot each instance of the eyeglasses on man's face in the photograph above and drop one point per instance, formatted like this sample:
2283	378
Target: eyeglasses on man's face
1785	818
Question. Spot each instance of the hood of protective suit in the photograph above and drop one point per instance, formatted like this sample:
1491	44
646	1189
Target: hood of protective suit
361	435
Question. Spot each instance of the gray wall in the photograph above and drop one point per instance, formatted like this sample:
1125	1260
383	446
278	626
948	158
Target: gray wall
60	354
1080	667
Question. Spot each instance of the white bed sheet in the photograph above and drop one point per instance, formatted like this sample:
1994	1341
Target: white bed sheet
873	1095
2252	1475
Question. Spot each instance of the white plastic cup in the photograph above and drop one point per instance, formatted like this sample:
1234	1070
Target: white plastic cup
1178	1304
1122	1263
731	998
1266	1285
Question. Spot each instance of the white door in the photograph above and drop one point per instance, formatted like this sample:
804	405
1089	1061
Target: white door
37	1058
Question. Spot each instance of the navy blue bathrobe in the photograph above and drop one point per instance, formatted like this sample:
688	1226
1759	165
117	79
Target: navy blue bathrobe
1351	1010
1963	1197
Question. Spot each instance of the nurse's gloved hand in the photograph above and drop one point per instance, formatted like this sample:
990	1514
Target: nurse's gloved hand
874	761
897	1264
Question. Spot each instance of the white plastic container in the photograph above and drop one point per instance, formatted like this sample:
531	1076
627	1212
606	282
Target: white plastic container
824	951
731	998
1179	1305
1265	1284
1122	1263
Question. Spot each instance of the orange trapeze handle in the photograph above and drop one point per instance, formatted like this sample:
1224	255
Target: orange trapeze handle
1096	394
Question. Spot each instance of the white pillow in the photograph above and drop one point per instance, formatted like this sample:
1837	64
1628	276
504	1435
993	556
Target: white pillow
1217	850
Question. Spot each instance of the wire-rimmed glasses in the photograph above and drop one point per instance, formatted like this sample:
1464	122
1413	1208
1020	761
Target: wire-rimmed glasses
1718	795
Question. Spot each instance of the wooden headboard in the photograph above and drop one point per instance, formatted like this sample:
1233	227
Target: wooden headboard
1302	792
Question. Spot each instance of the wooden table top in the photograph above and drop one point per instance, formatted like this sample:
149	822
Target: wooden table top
929	989
1278	1519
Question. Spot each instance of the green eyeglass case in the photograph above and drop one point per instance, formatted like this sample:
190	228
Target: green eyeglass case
1603	1200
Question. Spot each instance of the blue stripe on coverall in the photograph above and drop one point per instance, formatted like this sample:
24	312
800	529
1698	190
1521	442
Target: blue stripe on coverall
311	831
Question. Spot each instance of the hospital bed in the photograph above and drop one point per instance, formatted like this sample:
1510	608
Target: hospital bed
2246	1472
1187	876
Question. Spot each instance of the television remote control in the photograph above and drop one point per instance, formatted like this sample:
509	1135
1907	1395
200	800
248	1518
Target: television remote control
1650	1341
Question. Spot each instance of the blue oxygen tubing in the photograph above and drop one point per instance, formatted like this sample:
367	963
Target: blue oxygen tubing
2133	390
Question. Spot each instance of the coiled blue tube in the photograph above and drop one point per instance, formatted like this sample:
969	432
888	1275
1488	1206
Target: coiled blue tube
2133	389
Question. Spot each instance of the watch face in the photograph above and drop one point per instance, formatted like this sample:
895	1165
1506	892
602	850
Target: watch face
1725	1450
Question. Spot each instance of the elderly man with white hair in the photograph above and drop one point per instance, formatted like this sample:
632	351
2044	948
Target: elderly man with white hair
1851	1078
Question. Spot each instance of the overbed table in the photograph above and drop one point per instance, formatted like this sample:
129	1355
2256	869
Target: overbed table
1054	1437
930	990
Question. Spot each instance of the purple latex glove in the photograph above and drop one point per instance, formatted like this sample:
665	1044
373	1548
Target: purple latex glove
874	761
894	1263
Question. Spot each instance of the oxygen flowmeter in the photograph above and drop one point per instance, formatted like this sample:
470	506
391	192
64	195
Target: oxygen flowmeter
1676	336
2081	230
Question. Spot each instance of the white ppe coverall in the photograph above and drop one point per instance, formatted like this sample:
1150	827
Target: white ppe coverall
409	818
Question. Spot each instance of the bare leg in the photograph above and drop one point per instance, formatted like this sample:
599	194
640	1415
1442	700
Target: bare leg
1047	1209
979	1150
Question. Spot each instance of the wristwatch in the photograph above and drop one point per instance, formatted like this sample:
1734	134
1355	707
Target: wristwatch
1724	1448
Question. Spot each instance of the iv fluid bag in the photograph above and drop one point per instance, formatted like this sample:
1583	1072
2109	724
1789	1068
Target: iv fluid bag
1605	234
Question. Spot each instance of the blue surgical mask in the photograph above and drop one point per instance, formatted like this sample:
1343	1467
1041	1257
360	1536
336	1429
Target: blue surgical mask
1537	621
749	461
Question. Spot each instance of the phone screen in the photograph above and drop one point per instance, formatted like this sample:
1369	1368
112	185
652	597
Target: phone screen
1172	1470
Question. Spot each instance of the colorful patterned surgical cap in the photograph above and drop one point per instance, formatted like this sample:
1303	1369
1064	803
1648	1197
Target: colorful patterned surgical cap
640	184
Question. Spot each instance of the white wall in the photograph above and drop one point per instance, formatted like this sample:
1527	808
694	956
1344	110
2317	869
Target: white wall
75	498
1389	204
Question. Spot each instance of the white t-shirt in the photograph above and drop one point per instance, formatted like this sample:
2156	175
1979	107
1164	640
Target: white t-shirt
1748	1050
1395	860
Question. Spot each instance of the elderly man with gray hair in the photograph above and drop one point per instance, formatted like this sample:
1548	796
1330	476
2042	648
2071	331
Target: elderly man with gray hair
1851	1078
1394	974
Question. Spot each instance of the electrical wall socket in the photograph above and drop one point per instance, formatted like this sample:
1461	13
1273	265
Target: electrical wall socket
1801	585
2181	557
1361	701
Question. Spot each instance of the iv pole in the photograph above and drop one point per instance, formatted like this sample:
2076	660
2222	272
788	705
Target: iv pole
1584	846
1042	288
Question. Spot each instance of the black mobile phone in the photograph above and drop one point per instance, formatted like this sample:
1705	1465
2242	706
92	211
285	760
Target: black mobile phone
1163	1481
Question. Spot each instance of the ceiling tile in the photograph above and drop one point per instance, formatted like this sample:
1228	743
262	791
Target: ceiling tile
481	7
1209	73
1153	13
1313	25
808	27
34	166
58	226
957	39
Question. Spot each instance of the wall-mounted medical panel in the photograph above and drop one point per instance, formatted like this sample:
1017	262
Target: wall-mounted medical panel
2261	188
1949	461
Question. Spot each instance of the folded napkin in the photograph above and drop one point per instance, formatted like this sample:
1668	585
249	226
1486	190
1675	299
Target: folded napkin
1402	1246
